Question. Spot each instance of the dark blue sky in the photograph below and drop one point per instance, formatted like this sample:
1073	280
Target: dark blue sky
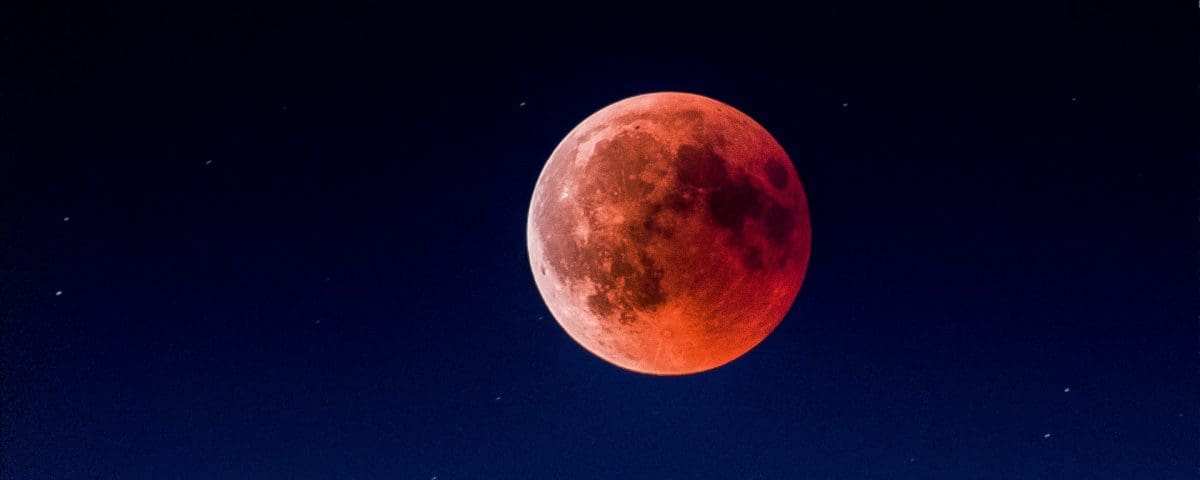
295	245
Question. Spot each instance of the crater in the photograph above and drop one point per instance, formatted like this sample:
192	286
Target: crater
680	203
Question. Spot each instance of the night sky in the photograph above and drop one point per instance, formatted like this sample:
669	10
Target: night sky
278	242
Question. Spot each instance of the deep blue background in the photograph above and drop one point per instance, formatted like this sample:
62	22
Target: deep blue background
1003	200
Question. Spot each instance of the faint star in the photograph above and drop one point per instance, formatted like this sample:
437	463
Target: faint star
284	108
66	219
1067	390
522	104
497	398
1074	99
844	104
208	162
58	293
1046	435
911	460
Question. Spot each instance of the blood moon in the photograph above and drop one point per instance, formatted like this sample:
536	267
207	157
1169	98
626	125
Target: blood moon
668	233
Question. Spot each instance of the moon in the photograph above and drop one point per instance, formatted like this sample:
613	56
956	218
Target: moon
668	233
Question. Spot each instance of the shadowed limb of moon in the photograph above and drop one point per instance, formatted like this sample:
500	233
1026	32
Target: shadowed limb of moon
668	233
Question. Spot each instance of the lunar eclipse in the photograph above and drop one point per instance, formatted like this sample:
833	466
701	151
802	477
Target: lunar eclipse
668	233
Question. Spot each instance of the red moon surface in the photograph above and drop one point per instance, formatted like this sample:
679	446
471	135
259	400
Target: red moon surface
668	233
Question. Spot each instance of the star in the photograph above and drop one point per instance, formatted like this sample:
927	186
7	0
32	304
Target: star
845	104
66	219
1067	390
1046	435
522	104
58	293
